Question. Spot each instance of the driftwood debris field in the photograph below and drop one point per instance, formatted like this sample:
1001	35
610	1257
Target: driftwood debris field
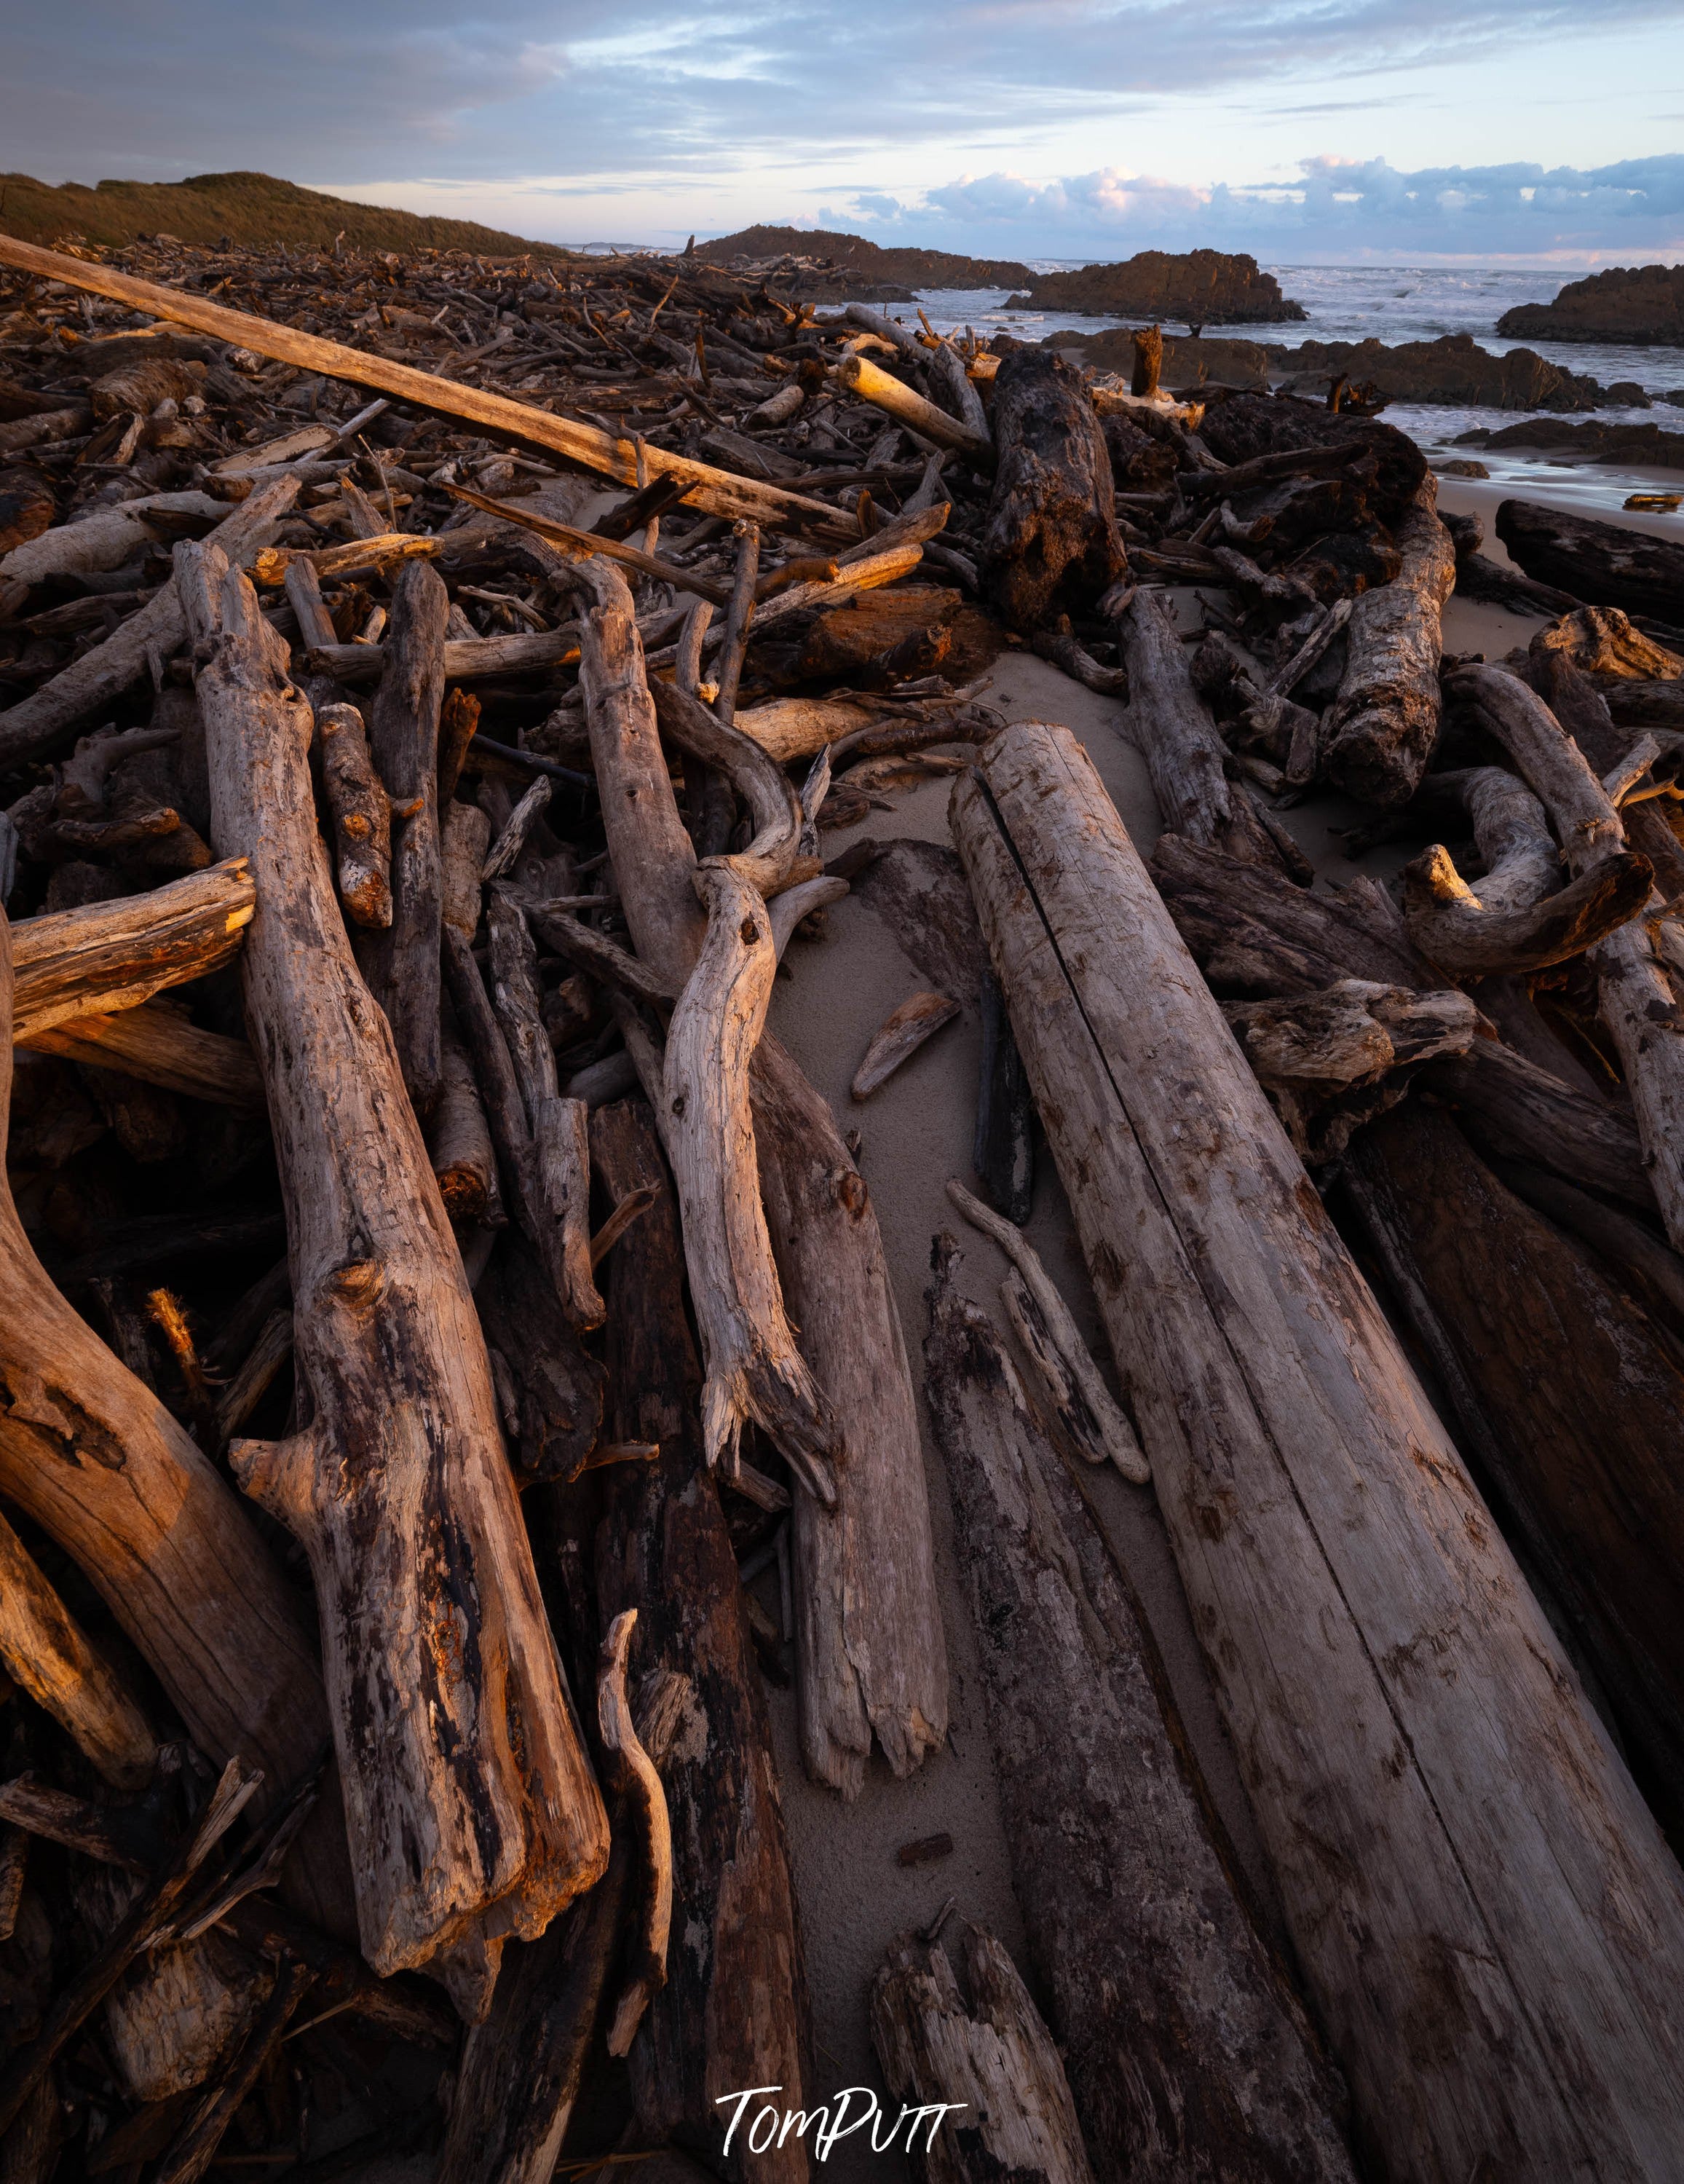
451	1362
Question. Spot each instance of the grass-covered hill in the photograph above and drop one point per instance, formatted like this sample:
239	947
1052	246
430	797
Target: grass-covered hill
250	210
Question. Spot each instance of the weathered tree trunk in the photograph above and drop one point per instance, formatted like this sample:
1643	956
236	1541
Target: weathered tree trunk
404	740
1188	2054
1606	565
152	632
869	1649
721	492
1384	723
1566	1399
1168	723
1351	1593
1051	544
472	1811
733	2012
362	815
980	2047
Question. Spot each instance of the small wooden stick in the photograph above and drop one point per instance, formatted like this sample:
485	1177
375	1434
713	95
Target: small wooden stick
631	1208
457	725
642	1787
362	815
303	592
510	843
582	543
1113	1428
167	1315
729	668
248	1386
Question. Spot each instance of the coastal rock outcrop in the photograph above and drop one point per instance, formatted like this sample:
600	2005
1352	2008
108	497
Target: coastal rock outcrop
1194	288
1601	443
1185	363
1642	304
1454	368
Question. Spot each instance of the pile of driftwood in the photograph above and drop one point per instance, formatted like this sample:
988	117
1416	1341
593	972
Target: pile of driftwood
434	695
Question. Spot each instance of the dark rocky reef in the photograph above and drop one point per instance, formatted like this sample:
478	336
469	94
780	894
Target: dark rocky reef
1192	287
1639	303
1454	369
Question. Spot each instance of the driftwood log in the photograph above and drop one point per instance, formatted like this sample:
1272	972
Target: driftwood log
1169	724
1341	1567
1188	2054
1051	544
1384	723
733	2012
471	1807
969	2038
1606	565
871	1658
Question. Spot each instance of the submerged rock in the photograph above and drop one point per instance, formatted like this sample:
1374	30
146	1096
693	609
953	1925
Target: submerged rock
1601	443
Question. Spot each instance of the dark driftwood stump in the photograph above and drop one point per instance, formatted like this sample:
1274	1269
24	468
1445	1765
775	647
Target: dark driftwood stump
1051	544
1187	2053
1603	564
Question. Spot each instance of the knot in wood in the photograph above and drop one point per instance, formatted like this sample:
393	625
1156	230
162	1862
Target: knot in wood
749	930
358	1284
847	1187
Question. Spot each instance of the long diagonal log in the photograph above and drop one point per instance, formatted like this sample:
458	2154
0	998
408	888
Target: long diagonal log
471	1807
720	492
1484	1911
111	956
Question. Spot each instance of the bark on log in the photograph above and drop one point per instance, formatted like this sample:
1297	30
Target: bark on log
1606	565
403	959
1565	1399
1384	723
734	2010
871	1658
89	1453
867	383
112	955
720	492
1168	723
152	633
980	2048
160	1046
1189	2054
466	658
44	1651
471	1807
1052	543
1341	1569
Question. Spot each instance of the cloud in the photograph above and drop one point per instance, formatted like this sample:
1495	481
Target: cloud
322	91
1330	208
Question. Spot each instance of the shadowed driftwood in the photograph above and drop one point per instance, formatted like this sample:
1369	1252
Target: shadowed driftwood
398	1486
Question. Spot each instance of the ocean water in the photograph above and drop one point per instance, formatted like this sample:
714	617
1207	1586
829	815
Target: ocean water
1408	304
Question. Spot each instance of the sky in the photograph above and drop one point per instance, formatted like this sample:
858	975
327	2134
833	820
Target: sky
1537	132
